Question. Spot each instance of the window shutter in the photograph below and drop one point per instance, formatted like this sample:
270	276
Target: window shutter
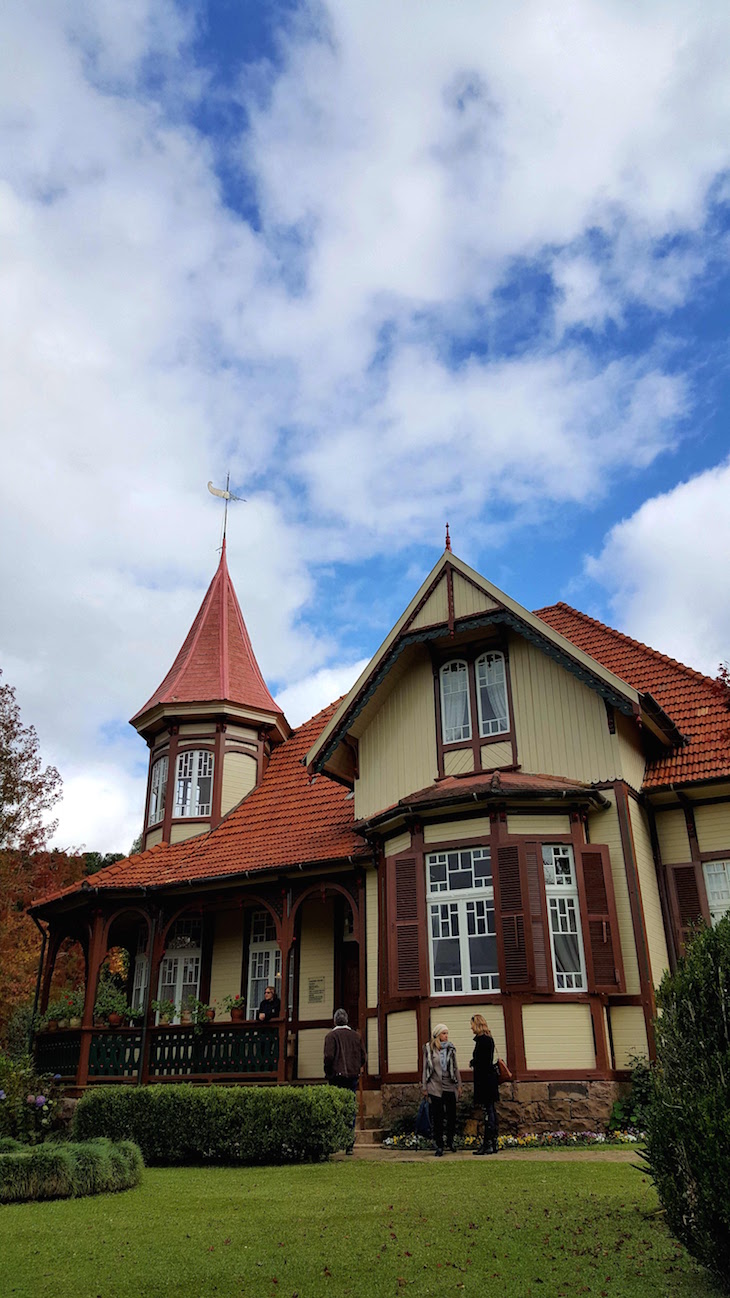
538	918
510	917
603	951
407	927
688	899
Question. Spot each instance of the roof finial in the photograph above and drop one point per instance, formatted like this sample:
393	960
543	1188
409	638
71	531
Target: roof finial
224	495
448	539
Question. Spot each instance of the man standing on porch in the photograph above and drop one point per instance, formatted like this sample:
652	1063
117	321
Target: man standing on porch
344	1056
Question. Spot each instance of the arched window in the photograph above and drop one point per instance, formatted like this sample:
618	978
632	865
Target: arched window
158	792
455	710
492	694
194	783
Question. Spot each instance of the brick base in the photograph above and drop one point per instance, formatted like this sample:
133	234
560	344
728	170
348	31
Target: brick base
529	1106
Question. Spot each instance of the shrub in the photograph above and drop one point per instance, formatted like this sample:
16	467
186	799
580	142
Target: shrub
631	1111
688	1133
28	1101
18	1031
64	1171
220	1124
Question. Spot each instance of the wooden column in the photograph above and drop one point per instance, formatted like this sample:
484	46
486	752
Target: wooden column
96	955
286	946
54	943
157	951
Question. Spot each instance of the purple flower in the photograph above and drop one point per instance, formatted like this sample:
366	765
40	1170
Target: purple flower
56	1077
40	1101
2	1095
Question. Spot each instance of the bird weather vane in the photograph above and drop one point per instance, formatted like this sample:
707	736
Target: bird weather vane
224	495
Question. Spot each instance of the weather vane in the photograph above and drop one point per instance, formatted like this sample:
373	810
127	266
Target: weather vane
224	495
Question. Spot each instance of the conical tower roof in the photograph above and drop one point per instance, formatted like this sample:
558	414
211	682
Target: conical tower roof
216	662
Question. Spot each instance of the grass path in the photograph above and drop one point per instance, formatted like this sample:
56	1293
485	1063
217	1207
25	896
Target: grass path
520	1227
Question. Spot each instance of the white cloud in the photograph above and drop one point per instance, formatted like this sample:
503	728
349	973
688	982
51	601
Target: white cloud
308	696
666	570
101	809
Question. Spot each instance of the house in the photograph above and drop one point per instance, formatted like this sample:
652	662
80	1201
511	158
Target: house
515	813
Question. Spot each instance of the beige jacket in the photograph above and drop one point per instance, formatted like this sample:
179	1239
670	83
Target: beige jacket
433	1079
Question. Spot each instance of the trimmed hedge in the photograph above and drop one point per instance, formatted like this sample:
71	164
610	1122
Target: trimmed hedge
220	1124
65	1171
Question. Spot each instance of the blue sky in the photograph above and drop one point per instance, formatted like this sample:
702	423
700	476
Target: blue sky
391	266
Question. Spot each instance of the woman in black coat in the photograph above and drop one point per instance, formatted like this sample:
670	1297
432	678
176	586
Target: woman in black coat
486	1085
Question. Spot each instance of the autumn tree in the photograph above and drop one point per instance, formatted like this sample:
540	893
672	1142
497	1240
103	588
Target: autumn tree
27	791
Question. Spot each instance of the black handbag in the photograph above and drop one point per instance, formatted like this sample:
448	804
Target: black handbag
423	1119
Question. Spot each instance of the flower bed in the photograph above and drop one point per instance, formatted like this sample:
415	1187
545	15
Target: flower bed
67	1170
530	1140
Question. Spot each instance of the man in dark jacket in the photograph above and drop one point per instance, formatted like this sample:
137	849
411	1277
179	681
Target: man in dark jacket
344	1056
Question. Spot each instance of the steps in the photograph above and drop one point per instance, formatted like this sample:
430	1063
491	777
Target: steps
368	1137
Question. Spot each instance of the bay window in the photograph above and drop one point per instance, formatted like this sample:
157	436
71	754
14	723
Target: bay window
158	792
264	961
455	708
491	681
462	933
566	941
194	783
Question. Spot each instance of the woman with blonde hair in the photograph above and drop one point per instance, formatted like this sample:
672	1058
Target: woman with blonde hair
486	1086
441	1082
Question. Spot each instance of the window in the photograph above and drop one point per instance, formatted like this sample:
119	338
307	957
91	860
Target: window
194	783
455	710
566	941
264	960
462	933
492	694
717	883
158	792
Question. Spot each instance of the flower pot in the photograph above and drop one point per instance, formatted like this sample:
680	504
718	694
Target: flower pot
165	1021
52	1025
210	1015
237	1015
74	1023
63	1023
115	1020
186	1017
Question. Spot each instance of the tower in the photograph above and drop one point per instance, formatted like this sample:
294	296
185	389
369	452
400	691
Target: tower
209	725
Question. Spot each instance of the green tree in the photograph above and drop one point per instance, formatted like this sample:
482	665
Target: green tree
27	791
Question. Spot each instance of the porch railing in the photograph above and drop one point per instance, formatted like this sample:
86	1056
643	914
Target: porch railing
215	1050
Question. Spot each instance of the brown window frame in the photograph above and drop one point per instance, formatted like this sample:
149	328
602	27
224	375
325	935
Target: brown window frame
469	654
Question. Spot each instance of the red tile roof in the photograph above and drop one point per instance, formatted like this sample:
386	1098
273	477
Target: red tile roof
687	696
216	661
499	784
285	821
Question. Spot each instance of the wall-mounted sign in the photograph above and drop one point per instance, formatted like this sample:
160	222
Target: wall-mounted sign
316	991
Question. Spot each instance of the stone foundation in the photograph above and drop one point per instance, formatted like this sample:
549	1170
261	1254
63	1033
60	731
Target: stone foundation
528	1106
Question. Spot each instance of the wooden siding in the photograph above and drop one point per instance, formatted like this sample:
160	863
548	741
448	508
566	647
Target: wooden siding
560	723
399	843
398	748
495	755
468	600
458	760
537	825
655	937
310	1053
371	937
713	827
671	828
558	1036
457	1017
179	833
633	761
435	610
239	778
153	838
604	828
225	970
316	960
197	728
242	732
455	830
628	1030
403	1046
372	1045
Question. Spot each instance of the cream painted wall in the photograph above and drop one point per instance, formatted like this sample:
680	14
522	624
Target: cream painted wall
713	827
604	828
398	749
225	970
539	824
560	723
633	761
242	732
458	760
446	831
310	1053
629	1034
316	959
179	833
435	610
399	843
671	828
656	940
372	1046
457	1020
558	1036
468	600
239	778
153	838
197	728
371	937
495	755
403	1046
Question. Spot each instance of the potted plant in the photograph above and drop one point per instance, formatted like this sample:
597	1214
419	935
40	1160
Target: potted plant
165	1011
73	1006
201	1013
135	1014
53	1016
235	1006
111	1004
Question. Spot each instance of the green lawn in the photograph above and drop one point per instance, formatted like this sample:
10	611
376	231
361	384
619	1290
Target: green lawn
484	1228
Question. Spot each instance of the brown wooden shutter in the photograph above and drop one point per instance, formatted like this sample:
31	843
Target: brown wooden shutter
406	925
603	950
538	918
512	936
687	899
